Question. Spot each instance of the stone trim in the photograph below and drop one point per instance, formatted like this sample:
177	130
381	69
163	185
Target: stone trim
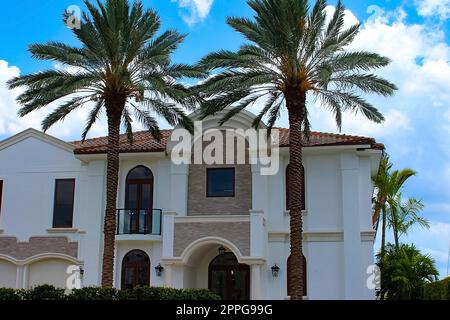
186	233
212	219
10	246
319	236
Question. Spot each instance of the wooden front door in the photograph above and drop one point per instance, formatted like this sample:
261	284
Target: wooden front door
228	278
135	269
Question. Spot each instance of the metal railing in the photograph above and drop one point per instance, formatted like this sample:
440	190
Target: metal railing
139	221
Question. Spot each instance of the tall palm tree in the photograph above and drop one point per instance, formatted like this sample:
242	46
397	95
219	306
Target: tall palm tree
388	202
122	67
293	52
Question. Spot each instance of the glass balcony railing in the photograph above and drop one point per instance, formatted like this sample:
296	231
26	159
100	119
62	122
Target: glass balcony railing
139	221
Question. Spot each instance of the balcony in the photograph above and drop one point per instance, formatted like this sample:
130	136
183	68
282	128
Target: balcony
139	222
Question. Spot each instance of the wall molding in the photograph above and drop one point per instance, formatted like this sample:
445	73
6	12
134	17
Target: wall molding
319	236
212	218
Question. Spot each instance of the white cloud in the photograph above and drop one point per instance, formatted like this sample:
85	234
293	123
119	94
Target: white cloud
198	10
10	123
440	8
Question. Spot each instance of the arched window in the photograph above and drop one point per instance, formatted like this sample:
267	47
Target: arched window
135	269
288	179
289	280
139	189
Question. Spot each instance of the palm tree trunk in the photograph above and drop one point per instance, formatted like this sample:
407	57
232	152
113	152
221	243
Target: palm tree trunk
295	102
114	109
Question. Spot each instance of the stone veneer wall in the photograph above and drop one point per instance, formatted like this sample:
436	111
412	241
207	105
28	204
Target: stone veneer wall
37	245
236	232
200	204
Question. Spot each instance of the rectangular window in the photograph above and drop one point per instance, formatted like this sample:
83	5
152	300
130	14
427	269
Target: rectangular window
1	195
220	182
63	206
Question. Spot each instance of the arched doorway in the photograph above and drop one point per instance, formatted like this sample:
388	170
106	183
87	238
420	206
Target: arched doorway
139	200
135	269
228	278
289	281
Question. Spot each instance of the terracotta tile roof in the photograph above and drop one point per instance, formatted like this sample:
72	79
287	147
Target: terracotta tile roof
317	139
144	142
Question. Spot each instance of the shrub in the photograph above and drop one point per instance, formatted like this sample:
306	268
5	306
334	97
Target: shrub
43	292
48	292
9	294
93	293
439	290
163	293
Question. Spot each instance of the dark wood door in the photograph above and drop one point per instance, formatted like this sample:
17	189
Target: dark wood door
135	269
228	278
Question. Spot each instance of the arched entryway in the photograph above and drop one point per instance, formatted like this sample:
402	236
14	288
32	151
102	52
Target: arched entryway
135	269
139	200
228	278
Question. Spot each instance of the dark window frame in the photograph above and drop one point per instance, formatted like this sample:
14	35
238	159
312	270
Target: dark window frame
208	170
144	264
139	182
1	195
287	180
54	203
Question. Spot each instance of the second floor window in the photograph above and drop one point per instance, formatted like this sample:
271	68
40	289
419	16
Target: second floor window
63	205
220	182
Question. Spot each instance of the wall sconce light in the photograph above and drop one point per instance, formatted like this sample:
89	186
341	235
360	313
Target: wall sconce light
222	250
275	270
81	269
159	269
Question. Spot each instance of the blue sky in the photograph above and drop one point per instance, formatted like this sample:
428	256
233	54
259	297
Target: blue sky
413	33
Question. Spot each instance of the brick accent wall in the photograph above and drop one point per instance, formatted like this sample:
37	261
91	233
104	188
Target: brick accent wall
236	232
200	204
37	245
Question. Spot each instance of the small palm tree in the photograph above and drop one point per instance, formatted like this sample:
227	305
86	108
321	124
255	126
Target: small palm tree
404	216
404	272
388	203
121	67
292	53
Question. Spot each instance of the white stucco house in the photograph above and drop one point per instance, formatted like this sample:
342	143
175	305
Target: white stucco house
187	226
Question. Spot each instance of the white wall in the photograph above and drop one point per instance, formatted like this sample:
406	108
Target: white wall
48	271
8	274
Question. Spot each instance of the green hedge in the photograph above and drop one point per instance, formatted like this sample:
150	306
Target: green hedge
438	290
48	292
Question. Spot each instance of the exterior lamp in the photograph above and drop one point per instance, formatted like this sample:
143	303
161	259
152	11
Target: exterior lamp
222	250
159	269
81	269
275	270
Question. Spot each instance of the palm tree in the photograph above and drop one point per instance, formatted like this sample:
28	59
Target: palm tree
405	271
405	216
388	201
121	67
292	53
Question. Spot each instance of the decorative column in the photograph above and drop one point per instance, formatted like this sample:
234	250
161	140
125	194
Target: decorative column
179	188
353	278
255	281
257	233
168	234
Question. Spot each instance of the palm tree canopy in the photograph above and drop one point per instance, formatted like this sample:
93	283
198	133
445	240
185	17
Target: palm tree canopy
121	58
388	184
292	47
405	271
407	215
